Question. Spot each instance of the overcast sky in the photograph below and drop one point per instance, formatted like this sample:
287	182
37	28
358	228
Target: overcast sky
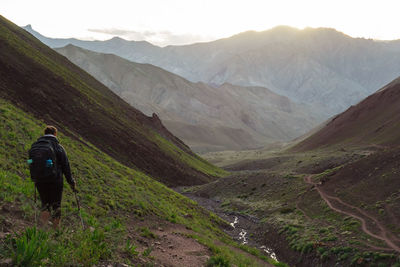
165	22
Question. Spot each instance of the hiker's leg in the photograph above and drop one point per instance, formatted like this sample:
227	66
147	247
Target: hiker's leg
56	198
44	198
56	222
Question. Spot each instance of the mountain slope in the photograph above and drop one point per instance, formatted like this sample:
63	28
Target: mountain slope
374	121
124	211
323	67
206	118
42	82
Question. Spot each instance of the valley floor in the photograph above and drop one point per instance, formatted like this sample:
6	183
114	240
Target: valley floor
318	208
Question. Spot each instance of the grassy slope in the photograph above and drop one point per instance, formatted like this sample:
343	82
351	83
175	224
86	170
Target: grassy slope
48	82
111	194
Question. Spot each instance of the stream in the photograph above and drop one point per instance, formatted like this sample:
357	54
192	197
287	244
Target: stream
243	239
240	224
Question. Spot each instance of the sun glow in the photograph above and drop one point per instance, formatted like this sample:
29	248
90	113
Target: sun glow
181	21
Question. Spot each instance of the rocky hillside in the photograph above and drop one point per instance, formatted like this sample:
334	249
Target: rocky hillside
321	67
226	117
44	83
375	121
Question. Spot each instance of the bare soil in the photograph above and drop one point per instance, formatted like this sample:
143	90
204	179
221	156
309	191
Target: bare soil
172	245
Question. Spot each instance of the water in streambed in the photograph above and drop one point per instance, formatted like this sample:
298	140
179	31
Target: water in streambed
243	237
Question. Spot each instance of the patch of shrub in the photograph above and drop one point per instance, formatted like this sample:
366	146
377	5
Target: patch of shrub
329	238
145	232
308	247
147	252
218	261
130	248
287	210
30	248
324	256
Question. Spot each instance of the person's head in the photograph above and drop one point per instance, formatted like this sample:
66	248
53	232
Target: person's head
50	130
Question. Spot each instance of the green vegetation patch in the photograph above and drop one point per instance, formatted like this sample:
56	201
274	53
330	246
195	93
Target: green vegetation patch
194	161
111	194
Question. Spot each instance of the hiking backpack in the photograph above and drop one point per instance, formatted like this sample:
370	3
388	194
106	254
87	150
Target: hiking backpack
43	161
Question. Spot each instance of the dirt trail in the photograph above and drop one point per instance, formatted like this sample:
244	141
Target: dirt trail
383	235
175	248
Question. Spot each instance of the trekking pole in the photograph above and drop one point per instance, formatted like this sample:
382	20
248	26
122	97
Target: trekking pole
79	208
35	204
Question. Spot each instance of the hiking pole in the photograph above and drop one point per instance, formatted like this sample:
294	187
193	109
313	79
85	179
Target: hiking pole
79	208
35	204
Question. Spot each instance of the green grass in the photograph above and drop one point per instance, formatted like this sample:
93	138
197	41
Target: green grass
145	232
218	261
194	161
130	248
31	247
109	191
75	247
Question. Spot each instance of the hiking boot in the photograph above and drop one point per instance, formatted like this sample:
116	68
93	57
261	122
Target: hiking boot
56	222
44	218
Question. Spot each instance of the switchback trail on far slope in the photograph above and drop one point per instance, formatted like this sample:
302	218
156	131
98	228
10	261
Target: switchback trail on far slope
383	235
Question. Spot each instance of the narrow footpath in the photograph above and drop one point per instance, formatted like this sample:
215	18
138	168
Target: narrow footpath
383	234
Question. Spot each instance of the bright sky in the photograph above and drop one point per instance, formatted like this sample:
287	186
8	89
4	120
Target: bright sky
165	22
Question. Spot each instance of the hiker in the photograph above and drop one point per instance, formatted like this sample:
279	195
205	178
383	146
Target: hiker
47	163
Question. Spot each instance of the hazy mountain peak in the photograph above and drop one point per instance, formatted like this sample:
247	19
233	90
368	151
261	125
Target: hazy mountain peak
118	39
71	46
32	31
284	28
323	32
28	27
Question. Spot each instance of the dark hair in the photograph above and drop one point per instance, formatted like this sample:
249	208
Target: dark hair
50	130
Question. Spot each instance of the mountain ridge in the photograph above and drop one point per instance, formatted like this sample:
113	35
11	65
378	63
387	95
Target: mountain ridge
321	66
235	117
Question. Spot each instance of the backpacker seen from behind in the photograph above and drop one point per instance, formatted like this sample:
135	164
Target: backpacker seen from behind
43	161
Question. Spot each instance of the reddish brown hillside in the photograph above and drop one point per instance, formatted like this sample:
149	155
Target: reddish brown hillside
369	189
374	121
43	83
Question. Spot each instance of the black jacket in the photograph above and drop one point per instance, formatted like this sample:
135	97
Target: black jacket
62	160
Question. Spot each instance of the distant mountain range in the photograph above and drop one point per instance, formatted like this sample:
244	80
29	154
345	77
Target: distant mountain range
207	118
321	67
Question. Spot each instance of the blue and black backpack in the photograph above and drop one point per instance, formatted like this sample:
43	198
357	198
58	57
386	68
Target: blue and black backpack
43	161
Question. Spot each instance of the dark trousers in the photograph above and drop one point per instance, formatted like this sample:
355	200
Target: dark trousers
50	196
